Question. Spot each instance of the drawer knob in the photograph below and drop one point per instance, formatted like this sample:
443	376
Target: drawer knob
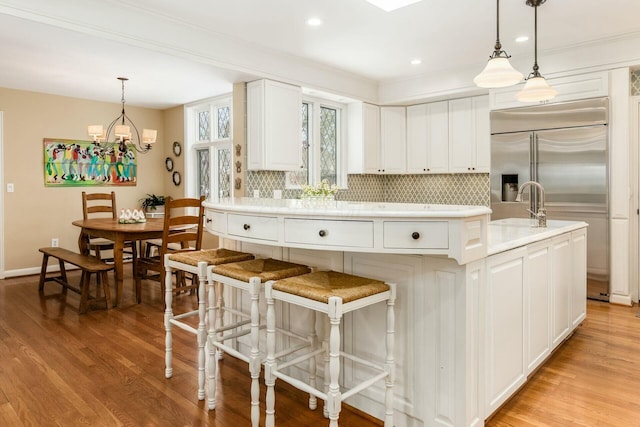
246	226
322	233
209	220
415	235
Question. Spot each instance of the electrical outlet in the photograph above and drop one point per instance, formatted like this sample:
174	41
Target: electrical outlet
55	242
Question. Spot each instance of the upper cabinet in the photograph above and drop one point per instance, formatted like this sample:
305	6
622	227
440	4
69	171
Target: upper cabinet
393	140
570	88
428	138
273	126
377	139
469	135
364	138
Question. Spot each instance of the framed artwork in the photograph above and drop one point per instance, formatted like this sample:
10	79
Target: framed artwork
70	163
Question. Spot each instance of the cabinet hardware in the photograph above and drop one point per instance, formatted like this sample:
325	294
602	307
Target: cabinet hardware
415	235
209	220
322	233
246	226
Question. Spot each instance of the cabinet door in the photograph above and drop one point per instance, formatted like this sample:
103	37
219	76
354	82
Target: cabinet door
371	138
393	140
562	276
538	300
363	145
461	138
273	126
504	344
428	138
579	282
481	133
417	138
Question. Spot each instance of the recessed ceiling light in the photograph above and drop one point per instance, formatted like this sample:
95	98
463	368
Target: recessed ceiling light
314	22
389	5
522	39
416	61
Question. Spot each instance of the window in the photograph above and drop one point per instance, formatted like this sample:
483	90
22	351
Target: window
209	125
321	139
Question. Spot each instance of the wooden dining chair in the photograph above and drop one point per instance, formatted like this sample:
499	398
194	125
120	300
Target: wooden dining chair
102	205
183	227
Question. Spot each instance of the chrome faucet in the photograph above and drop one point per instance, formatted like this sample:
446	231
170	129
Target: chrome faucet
541	214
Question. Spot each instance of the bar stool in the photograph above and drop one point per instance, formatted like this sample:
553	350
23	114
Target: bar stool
195	262
333	294
247	276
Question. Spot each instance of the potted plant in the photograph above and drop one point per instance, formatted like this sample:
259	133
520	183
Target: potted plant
153	203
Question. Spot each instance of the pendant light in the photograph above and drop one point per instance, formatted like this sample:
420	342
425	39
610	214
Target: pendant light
498	71
536	89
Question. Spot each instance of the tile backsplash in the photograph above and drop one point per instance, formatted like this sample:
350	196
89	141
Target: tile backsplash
635	83
456	189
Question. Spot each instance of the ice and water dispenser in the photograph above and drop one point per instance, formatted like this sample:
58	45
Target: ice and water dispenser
509	187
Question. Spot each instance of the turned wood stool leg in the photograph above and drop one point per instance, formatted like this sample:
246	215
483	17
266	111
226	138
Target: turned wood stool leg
389	360
254	356
334	397
202	330
211	336
168	315
270	365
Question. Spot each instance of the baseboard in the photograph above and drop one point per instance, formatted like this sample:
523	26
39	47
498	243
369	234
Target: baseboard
36	270
620	299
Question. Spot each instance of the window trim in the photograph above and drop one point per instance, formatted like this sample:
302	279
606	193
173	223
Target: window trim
191	128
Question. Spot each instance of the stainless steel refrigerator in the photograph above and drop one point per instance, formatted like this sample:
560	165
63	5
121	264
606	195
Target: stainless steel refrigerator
564	147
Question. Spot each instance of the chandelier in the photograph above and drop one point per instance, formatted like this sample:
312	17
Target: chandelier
122	127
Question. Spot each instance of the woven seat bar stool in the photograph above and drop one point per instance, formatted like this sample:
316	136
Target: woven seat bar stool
333	294
196	263
247	276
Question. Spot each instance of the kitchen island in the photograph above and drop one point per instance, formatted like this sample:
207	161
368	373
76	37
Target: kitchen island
480	304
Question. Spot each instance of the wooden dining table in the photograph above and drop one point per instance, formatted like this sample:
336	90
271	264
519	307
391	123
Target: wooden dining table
119	233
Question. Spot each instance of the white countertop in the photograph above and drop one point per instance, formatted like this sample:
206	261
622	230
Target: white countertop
505	234
344	208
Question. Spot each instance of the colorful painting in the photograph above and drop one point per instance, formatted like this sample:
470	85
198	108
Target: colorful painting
70	163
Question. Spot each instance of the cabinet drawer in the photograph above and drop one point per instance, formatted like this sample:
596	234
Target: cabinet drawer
330	233
253	226
416	234
214	222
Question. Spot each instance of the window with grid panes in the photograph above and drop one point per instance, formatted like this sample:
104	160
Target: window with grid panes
209	128
321	137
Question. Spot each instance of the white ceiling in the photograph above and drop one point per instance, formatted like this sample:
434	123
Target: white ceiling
178	52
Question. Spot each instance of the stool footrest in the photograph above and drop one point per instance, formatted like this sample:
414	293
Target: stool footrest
232	351
301	385
299	359
364	384
184	326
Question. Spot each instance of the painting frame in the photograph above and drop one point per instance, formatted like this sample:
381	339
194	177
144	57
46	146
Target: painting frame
76	163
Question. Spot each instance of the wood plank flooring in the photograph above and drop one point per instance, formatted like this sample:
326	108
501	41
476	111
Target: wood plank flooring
58	368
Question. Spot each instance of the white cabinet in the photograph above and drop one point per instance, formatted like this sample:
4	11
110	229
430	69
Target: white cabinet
428	138
377	139
273	126
504	343
469	135
579	282
562	272
534	297
570	88
538	304
364	138
393	140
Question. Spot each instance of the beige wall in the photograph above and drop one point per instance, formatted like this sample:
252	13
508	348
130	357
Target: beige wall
33	214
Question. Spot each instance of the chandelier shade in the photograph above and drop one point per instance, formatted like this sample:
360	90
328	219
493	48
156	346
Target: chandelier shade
122	127
498	72
536	89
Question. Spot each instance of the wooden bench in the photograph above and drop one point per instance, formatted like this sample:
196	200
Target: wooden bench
89	265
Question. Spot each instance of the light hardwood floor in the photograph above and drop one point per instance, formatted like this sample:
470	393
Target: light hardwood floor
107	369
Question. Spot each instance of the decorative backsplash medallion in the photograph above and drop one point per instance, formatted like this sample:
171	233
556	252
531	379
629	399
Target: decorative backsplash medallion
458	189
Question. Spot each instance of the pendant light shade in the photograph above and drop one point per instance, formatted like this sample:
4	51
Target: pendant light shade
498	72
536	89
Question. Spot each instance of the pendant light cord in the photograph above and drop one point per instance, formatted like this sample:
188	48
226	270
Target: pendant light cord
498	44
